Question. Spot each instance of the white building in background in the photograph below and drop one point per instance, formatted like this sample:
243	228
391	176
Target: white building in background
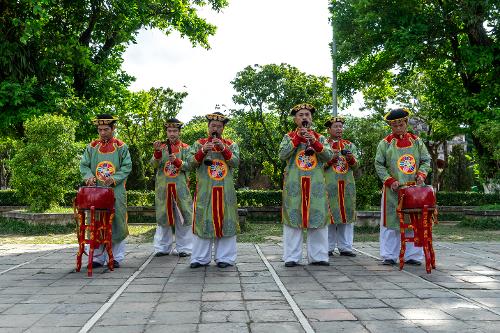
420	126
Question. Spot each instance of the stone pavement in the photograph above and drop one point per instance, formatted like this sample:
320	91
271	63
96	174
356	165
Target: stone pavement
40	292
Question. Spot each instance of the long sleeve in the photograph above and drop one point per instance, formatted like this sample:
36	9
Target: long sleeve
425	159
155	162
125	166
234	161
326	154
85	169
286	148
380	162
191	158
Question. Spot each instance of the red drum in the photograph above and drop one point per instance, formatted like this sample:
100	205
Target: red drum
417	197
99	197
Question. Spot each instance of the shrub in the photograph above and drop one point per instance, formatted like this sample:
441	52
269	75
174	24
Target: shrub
485	223
467	198
10	198
258	198
46	166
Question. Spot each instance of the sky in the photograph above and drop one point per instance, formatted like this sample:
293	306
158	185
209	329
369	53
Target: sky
296	32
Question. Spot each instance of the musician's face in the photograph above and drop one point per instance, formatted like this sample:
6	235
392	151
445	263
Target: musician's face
302	115
173	134
336	130
215	126
105	132
399	127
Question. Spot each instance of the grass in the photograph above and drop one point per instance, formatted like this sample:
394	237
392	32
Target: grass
16	232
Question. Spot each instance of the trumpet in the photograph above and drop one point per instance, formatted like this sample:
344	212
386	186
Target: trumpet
309	149
208	158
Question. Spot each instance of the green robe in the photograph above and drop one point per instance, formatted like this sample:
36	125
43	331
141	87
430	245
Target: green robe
215	212
399	159
172	182
111	159
305	202
340	183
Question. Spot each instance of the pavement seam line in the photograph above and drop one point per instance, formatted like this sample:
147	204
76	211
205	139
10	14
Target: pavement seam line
102	310
470	300
471	254
295	308
28	262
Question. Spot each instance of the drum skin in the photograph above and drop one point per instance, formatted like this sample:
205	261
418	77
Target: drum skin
99	197
417	197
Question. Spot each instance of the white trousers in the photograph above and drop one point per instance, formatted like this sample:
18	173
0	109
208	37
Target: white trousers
224	250
164	238
390	241
317	244
390	245
101	255
340	236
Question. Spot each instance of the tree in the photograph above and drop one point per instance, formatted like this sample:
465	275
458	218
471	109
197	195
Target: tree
65	57
266	94
455	42
459	176
46	167
142	117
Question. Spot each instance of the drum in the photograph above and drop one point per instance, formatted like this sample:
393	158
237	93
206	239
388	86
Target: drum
414	197
96	196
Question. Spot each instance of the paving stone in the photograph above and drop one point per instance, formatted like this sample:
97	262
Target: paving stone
271	286
221	296
472	314
272	315
361	303
445	326
18	320
267	305
394	293
224	317
338	326
285	327
66	319
376	314
223	306
319	304
328	314
169	317
179	306
138	307
221	287
178	297
61	329
117	329
182	328
178	288
142	297
424	313
29	308
392	326
223	327
263	295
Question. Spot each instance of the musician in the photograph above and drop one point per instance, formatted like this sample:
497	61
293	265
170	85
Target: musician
106	162
173	203
401	159
305	202
215	218
341	189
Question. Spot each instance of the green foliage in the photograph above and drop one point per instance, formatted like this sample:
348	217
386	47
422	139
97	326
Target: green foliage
46	166
10	198
459	175
266	94
480	223
140	198
258	198
467	198
17	227
65	57
441	57
136	179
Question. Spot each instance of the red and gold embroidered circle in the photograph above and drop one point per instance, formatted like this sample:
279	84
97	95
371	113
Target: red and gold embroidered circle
217	170
305	162
170	170
407	164
341	165
104	170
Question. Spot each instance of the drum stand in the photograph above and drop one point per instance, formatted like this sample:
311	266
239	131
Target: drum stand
420	221
94	234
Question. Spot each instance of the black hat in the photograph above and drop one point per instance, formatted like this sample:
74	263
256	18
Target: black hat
332	120
397	114
104	119
174	123
217	116
301	106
